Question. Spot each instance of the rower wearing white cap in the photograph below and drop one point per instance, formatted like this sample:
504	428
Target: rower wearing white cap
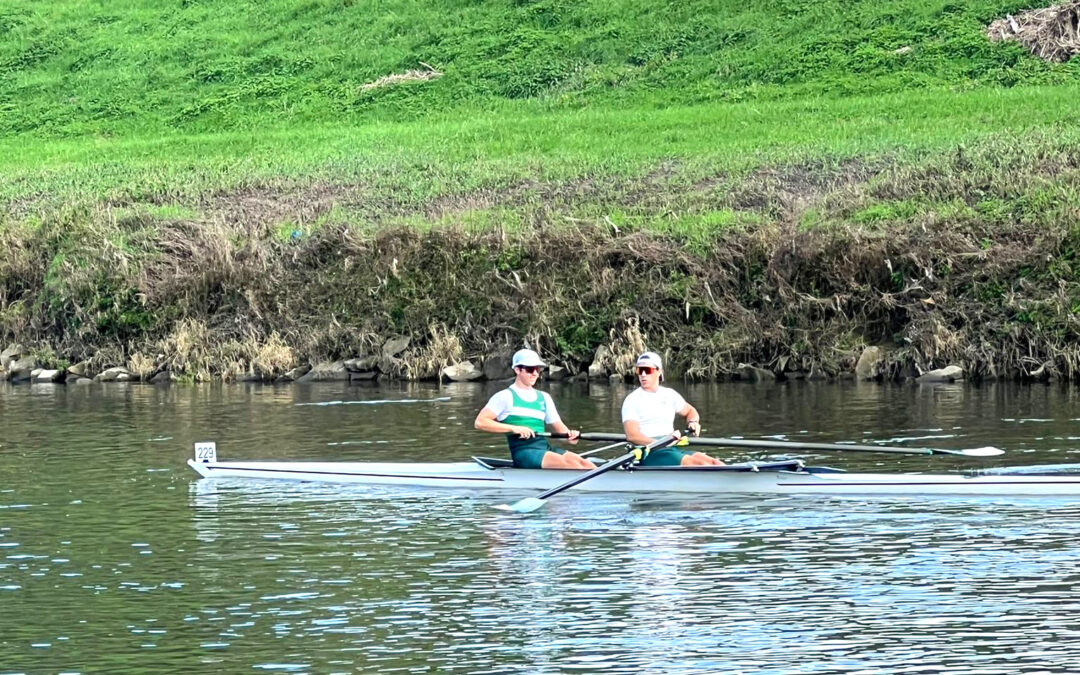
523	413
648	414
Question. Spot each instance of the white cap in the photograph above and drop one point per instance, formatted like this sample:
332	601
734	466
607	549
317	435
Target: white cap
527	357
649	359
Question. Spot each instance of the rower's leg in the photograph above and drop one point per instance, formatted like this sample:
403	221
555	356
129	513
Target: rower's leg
569	460
553	460
700	459
581	462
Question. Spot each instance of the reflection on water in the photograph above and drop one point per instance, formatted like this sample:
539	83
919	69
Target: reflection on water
114	558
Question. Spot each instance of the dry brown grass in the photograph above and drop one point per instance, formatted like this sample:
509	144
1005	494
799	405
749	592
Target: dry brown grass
441	349
626	343
189	349
428	73
1051	33
141	366
272	358
221	296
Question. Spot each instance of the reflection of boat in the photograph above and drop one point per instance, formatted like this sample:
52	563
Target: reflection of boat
785	477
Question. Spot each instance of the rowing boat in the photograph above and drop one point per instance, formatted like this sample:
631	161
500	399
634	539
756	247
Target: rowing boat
783	477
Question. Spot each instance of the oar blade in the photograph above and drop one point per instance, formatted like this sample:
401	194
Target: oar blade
527	505
988	451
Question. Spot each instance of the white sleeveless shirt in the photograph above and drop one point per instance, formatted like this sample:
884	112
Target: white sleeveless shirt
654	411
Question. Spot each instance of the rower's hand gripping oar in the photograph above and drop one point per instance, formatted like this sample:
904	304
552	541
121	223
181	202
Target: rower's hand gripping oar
530	504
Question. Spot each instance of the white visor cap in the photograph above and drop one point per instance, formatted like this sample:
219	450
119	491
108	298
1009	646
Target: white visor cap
649	359
527	357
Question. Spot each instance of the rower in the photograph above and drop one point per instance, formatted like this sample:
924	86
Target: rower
522	412
648	413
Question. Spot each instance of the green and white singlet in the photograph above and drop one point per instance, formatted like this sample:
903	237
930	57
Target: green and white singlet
528	453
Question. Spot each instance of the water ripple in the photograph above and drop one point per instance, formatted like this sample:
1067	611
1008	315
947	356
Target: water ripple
110	565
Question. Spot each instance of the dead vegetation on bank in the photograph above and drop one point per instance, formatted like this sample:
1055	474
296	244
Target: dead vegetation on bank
970	259
1051	33
412	75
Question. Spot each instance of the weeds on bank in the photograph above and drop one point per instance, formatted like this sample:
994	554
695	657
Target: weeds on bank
968	256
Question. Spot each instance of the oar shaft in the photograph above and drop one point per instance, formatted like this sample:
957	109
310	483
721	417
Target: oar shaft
602	448
601	436
604	468
588	436
607	466
618	438
786	445
794	445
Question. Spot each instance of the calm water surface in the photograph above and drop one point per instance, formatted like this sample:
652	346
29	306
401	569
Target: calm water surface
115	558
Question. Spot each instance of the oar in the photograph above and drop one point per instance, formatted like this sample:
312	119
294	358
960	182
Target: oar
530	504
794	445
587	436
842	447
621	440
601	449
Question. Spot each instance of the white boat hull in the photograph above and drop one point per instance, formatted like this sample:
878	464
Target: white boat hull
674	479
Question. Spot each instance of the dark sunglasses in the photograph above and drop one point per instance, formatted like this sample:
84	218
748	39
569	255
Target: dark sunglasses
531	369
645	370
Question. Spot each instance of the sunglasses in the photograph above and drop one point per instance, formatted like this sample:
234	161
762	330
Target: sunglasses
645	370
532	370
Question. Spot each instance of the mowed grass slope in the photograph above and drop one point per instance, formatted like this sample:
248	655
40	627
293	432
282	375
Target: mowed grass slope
74	69
111	100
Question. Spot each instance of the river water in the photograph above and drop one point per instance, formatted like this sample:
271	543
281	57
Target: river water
114	557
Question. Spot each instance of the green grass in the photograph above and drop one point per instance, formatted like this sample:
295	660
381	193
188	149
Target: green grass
108	68
141	101
422	160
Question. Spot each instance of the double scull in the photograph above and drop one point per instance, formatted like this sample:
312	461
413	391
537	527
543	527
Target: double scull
783	477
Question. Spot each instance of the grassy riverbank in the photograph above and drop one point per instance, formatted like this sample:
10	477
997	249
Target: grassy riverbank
213	187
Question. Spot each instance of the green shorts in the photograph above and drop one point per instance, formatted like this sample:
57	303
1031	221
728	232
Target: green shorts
665	457
532	458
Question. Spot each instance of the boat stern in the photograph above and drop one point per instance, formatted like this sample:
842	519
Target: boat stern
200	468
205	456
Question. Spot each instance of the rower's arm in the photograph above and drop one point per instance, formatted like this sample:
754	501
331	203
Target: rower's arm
561	428
632	429
693	419
486	421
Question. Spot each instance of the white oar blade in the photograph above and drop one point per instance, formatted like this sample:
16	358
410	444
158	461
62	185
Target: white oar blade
527	505
988	451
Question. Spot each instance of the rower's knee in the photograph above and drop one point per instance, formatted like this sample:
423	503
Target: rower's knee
579	461
553	460
700	459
